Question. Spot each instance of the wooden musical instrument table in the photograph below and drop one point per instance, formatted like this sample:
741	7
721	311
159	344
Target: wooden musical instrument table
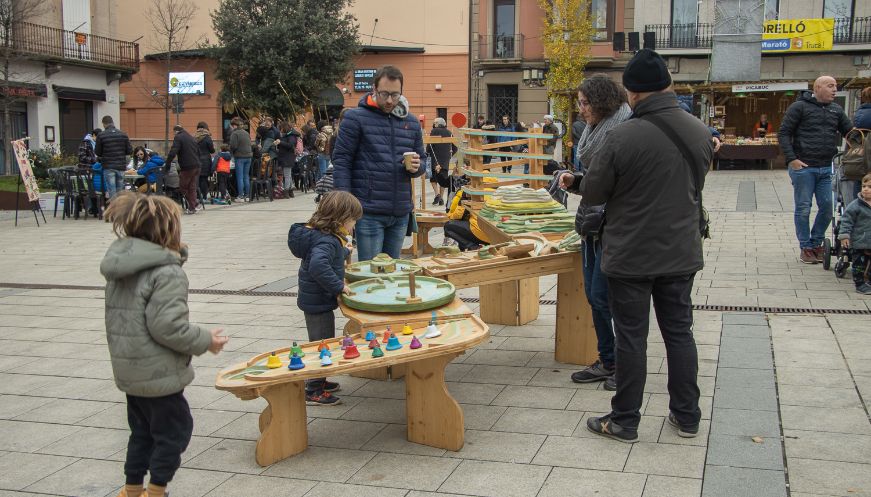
434	418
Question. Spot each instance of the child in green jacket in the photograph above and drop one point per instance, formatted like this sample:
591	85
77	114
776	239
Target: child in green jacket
150	338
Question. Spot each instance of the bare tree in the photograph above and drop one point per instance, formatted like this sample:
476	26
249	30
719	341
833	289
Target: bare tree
12	14
170	20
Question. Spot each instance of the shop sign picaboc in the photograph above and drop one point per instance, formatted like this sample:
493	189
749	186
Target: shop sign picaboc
751	87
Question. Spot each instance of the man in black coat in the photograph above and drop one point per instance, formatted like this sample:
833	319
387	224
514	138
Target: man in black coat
112	147
646	172
809	137
186	149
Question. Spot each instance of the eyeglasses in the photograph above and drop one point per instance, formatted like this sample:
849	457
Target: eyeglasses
384	95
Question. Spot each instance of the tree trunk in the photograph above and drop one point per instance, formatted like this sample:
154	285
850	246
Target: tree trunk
7	121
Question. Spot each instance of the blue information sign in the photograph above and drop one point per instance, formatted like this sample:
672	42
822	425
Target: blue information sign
363	79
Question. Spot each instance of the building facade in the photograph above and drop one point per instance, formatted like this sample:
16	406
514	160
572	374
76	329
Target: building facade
507	53
65	69
427	40
684	36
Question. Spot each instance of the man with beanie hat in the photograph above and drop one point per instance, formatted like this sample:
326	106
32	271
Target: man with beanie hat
652	244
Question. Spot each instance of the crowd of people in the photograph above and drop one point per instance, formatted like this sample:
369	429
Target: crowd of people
196	171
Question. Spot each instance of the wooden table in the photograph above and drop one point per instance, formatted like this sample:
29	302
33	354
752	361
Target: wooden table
434	418
509	292
359	322
767	153
426	220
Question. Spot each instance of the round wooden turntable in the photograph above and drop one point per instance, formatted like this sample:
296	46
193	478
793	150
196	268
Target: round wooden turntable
399	294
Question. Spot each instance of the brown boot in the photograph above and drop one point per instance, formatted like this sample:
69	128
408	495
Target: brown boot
808	256
819	252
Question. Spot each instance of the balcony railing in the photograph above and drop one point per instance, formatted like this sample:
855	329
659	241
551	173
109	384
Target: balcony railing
61	45
853	30
847	30
500	46
682	35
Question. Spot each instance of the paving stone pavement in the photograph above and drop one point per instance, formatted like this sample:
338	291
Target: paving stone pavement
785	396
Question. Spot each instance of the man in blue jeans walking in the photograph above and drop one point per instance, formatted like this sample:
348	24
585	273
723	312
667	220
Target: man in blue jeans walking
368	163
809	137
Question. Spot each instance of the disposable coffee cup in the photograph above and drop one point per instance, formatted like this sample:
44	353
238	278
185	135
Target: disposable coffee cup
407	157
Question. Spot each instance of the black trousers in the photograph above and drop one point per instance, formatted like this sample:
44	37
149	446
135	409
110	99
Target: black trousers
160	430
860	270
630	306
320	326
462	233
204	187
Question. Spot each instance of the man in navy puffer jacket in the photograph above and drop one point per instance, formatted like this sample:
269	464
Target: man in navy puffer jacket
367	162
809	137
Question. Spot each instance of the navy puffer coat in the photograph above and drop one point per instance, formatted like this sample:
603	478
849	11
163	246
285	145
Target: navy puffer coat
862	117
367	159
322	272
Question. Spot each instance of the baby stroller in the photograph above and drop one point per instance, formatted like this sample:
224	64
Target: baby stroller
843	191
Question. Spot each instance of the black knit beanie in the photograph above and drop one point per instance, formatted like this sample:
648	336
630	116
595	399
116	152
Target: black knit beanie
646	72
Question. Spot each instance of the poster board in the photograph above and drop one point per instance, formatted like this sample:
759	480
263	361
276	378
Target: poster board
22	155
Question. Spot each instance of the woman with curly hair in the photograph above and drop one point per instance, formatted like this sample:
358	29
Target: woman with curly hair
603	105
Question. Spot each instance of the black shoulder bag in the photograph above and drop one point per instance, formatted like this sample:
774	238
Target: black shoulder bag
659	122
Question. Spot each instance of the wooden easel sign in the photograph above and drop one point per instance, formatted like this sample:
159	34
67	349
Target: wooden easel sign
27	178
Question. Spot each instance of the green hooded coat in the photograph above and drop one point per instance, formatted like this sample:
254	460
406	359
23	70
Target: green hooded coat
150	338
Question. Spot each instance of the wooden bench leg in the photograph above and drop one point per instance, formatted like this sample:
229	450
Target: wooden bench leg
514	303
434	417
575	335
282	423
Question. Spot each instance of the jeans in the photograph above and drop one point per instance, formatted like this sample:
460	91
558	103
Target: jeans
160	430
113	181
243	176
596	288
323	163
673	307
287	177
807	183
376	233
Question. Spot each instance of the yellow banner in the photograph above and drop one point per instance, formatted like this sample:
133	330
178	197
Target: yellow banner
798	35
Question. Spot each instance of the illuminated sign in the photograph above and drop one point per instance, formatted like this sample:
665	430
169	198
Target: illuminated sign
187	83
363	79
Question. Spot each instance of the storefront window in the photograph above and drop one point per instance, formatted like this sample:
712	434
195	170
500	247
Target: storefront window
837	8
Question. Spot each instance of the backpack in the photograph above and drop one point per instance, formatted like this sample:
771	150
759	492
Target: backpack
321	142
856	161
223	165
86	153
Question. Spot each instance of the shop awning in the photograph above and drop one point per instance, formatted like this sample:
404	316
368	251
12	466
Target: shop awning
24	90
70	93
727	86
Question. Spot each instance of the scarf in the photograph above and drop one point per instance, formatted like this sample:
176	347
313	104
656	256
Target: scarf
202	133
594	135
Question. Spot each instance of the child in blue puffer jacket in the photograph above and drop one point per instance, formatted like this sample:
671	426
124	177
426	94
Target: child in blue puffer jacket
150	170
322	245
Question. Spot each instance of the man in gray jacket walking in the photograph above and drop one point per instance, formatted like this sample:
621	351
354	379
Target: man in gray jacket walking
652	244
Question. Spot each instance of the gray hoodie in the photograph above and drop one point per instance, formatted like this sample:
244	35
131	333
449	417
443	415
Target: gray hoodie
856	224
150	338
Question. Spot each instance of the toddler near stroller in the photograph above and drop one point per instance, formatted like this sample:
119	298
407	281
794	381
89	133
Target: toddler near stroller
854	234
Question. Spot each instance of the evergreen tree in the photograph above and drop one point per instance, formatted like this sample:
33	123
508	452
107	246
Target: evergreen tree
275	56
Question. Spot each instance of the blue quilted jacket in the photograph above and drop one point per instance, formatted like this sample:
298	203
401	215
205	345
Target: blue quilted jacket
367	158
322	272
